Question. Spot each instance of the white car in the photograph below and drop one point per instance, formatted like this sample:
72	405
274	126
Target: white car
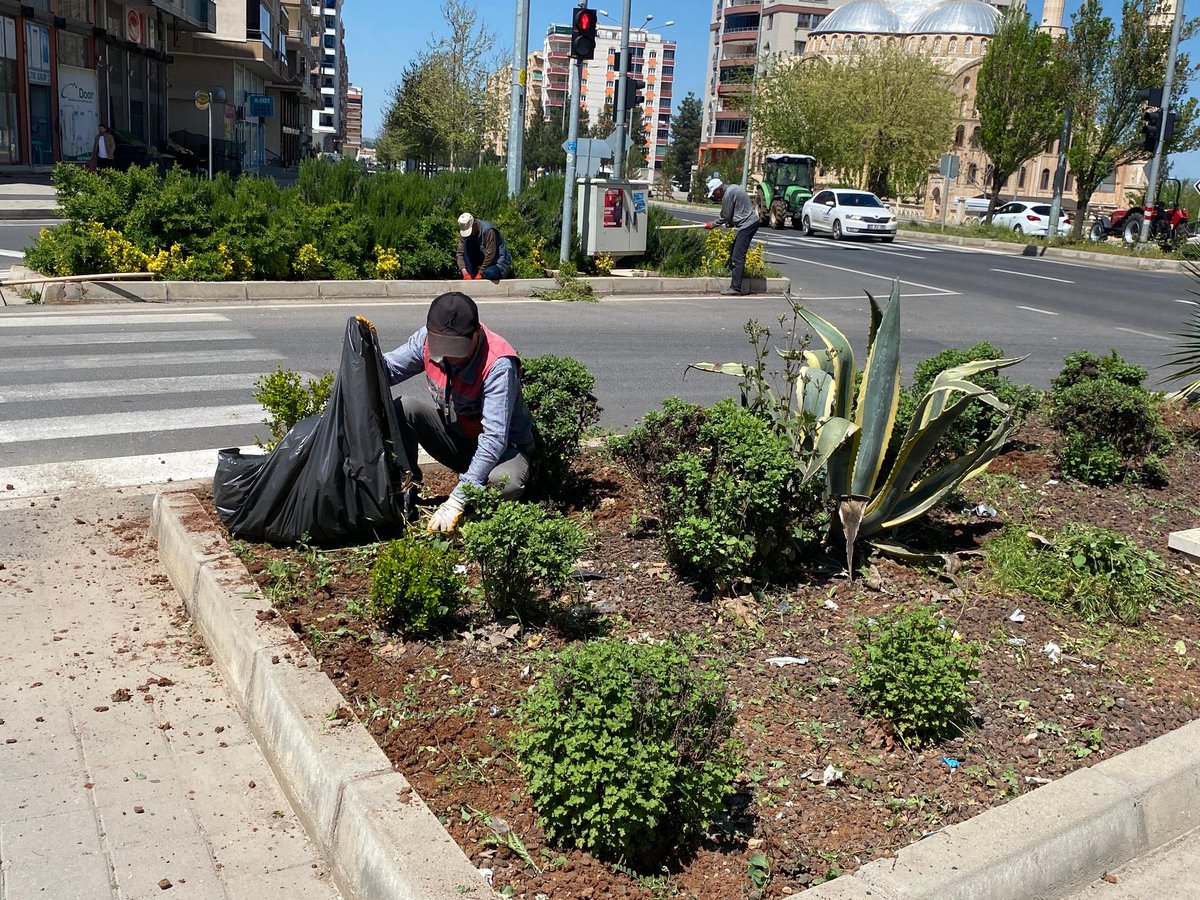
846	213
1029	218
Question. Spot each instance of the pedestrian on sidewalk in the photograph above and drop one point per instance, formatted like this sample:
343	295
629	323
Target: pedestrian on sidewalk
482	252
737	212
474	420
104	153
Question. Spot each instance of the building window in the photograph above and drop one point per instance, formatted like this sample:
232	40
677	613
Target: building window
952	47
937	46
72	50
326	120
1044	184
958	136
1070	181
968	46
1021	178
79	10
972	173
798	47
975	138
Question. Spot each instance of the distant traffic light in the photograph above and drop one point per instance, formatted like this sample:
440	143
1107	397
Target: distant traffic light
583	34
633	93
1151	125
1152	96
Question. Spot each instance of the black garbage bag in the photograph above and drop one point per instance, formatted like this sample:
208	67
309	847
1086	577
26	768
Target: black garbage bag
337	475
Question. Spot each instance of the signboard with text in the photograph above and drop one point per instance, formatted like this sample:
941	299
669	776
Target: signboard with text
260	106
78	112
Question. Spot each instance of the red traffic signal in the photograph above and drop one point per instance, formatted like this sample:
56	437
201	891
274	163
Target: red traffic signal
583	34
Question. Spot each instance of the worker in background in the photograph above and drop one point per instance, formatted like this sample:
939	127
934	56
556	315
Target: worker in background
482	252
473	419
737	212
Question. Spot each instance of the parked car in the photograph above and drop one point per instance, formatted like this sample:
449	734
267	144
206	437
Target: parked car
1029	218
846	213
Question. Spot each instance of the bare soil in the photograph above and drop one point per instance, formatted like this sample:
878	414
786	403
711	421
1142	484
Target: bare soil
443	710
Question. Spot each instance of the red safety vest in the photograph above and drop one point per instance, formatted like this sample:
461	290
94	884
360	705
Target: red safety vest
459	397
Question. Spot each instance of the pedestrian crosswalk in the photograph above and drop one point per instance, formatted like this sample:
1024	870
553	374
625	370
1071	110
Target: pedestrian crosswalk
115	397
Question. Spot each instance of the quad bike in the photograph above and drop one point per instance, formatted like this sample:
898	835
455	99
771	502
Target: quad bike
1169	225
787	183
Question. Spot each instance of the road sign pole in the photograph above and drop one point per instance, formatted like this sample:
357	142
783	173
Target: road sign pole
622	98
210	154
516	110
1060	175
568	219
1156	160
945	199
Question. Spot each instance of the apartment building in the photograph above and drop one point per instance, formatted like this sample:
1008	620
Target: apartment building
329	119
354	120
652	61
68	65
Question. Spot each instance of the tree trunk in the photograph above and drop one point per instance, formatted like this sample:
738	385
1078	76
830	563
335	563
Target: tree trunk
998	179
1083	199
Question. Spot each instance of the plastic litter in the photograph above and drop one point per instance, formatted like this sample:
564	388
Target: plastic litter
337	475
1053	651
982	511
782	661
1016	642
460	569
952	763
487	875
830	604
1017	615
831	776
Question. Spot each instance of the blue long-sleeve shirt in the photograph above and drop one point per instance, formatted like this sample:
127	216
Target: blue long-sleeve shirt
506	420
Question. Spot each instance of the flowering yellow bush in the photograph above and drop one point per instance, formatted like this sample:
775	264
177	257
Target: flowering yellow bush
717	246
604	263
756	262
387	263
119	253
308	263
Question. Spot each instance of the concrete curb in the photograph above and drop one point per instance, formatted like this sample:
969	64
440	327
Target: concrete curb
353	291
380	838
1051	841
1143	263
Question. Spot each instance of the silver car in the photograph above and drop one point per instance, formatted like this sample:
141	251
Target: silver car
846	213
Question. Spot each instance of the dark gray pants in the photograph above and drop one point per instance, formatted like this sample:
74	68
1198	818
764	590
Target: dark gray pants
737	255
421	423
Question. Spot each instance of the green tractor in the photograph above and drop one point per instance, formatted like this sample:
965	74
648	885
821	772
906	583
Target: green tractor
787	183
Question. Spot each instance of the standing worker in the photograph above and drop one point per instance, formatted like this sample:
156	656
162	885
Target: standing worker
473	419
482	252
737	212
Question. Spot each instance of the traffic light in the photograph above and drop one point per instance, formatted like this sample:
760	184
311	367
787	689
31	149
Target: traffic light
1151	125
633	93
583	34
1152	96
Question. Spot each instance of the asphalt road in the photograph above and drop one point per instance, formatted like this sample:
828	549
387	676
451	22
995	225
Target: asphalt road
16	235
92	383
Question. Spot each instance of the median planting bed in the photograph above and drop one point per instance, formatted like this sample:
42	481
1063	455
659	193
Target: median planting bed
657	678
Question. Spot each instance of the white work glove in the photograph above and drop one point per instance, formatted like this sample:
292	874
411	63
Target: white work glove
445	519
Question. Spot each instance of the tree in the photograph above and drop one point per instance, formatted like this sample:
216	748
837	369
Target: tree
543	142
635	159
686	125
411	123
1019	97
1106	73
880	117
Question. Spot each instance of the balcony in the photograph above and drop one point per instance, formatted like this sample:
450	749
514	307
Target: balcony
738	59
200	14
742	9
732	90
740	36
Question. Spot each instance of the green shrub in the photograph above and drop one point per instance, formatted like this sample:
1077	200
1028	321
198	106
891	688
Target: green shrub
730	496
521	551
909	668
978	420
287	400
626	748
1083	365
558	392
659	439
414	586
1095	573
1090	460
678	252
1107	410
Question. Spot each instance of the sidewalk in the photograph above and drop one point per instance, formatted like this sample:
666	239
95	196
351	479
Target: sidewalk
126	771
28	197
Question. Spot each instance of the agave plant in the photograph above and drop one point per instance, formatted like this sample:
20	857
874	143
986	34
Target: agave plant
848	423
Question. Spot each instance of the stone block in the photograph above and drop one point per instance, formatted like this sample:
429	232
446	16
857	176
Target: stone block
846	887
205	291
282	290
1186	542
352	290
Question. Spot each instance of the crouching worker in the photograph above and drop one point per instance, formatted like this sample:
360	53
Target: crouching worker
473	420
482	252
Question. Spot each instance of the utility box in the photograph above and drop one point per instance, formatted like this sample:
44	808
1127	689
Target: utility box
612	216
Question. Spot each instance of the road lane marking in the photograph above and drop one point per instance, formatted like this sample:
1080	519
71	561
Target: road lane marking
139	422
134	360
1030	275
184	385
1157	337
15	254
1044	312
55	320
1192	302
812	262
120	337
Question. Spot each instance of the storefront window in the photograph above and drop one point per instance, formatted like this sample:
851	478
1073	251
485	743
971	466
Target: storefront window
10	144
72	50
78	10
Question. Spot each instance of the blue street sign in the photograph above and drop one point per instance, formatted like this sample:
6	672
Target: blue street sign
260	106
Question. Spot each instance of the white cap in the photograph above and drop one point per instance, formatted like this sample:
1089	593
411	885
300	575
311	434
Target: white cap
466	222
713	184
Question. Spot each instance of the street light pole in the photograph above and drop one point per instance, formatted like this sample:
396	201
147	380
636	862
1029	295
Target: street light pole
1156	160
516	110
619	112
568	221
753	89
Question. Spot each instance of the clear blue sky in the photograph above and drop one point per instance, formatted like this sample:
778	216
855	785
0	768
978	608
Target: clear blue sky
382	36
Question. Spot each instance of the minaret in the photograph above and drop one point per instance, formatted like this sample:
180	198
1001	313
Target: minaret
1164	16
1052	18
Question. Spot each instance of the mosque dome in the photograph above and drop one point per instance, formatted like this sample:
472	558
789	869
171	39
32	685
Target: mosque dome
958	17
861	17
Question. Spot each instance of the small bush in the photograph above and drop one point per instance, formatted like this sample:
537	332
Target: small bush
1095	573
1092	461
1084	365
910	669
627	748
659	439
521	551
558	392
414	586
287	401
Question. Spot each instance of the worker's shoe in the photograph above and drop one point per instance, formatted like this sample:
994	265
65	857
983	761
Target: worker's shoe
412	495
731	292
